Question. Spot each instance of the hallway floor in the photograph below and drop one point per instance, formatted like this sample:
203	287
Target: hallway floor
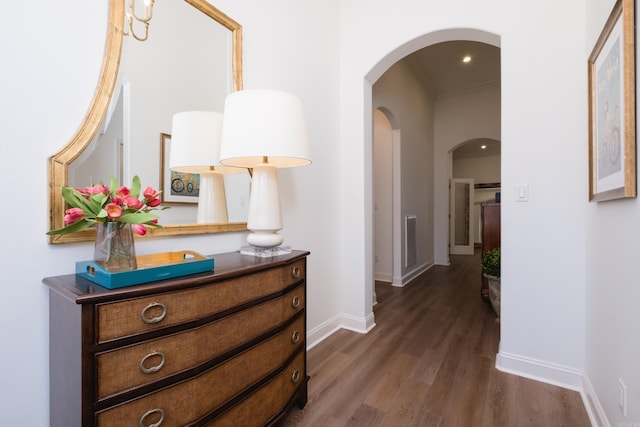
430	361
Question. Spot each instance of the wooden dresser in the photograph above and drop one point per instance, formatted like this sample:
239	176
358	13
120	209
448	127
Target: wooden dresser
490	221
224	348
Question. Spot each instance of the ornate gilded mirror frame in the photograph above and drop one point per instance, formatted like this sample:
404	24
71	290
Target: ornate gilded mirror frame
59	163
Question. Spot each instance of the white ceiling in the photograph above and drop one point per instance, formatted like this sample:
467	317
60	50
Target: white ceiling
445	74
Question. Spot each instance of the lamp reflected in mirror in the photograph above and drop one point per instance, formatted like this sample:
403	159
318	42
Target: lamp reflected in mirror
195	149
147	107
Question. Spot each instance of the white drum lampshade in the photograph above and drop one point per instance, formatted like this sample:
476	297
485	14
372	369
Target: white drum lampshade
264	130
195	148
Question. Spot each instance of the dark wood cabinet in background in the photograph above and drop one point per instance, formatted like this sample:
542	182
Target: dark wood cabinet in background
490	219
224	348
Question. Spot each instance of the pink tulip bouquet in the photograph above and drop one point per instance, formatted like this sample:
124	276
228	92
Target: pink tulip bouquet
115	203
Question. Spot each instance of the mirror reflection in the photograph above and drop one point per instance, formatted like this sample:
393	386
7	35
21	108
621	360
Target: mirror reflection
190	61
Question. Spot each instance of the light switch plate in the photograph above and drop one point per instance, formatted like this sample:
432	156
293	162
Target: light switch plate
522	192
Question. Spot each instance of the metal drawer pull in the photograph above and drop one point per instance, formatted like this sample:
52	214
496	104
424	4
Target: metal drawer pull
155	368
295	376
149	413
157	319
295	272
295	337
295	302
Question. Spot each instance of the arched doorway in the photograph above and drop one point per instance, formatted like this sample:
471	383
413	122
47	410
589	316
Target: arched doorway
441	147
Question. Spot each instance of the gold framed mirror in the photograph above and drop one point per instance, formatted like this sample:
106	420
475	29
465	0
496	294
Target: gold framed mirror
59	163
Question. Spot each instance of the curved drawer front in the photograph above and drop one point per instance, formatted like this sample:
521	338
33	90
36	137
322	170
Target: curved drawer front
294	272
256	410
293	302
294	375
189	401
294	337
120	370
263	405
121	319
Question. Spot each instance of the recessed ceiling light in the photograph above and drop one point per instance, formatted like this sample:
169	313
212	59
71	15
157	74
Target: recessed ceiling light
483	147
466	59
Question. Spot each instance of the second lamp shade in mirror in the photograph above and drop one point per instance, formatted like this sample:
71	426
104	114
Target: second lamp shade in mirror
195	149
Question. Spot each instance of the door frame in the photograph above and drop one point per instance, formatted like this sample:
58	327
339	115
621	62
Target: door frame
453	248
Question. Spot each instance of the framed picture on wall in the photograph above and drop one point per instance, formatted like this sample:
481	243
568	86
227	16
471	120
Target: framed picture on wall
612	132
176	187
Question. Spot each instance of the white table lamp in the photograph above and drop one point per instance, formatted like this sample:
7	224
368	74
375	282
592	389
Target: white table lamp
264	130
195	148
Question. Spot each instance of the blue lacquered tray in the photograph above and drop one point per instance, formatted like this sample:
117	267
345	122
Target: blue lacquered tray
166	265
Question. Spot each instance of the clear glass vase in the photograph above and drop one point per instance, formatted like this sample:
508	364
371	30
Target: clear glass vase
115	248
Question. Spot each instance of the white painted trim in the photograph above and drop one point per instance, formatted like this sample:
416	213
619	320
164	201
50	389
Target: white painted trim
383	277
337	322
540	370
470	246
443	261
397	204
592	404
410	275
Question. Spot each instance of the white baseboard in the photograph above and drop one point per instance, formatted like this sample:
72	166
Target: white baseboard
592	405
382	277
341	321
410	275
443	261
557	375
539	370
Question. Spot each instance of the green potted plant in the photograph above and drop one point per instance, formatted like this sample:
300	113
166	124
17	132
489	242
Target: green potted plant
490	265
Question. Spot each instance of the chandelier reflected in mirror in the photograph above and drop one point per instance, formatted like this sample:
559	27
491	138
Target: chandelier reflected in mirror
133	18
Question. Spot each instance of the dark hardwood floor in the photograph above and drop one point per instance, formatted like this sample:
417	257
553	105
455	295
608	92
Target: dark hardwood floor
430	361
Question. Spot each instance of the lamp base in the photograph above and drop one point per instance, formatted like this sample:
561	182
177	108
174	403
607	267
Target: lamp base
212	202
265	252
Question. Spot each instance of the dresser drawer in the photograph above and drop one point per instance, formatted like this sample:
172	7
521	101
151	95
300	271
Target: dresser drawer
294	272
294	375
120	319
122	369
295	336
256	410
267	402
191	400
293	302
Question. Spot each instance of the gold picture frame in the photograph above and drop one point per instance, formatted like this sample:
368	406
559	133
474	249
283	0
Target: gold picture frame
176	188
612	133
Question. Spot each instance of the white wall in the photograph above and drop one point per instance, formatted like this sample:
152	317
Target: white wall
399	92
613	291
543	102
52	54
544	130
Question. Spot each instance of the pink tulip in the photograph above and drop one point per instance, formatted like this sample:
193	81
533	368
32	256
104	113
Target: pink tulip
113	211
133	202
73	215
123	192
152	203
117	200
97	189
139	229
151	197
